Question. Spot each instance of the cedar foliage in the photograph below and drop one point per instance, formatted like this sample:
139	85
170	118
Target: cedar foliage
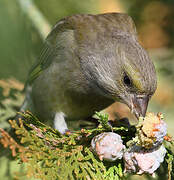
50	155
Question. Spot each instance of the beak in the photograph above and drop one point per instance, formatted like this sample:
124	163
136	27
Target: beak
140	104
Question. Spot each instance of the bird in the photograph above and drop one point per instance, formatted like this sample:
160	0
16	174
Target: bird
87	63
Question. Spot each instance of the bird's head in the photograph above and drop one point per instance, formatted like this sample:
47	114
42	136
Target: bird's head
123	72
112	61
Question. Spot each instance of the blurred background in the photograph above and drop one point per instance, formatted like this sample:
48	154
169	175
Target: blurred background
24	24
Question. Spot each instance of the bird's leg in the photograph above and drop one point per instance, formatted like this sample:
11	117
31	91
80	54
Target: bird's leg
92	120
59	122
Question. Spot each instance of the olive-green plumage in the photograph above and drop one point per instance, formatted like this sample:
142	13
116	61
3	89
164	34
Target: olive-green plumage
87	63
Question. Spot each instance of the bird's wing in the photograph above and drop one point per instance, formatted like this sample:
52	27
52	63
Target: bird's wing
47	55
45	59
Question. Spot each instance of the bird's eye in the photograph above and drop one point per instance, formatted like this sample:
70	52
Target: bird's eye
127	81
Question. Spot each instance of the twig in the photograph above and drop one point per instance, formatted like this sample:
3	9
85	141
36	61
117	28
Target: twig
36	17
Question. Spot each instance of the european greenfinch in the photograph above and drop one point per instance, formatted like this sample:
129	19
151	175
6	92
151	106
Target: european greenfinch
87	63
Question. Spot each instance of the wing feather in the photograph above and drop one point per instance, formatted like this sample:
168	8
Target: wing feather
43	62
